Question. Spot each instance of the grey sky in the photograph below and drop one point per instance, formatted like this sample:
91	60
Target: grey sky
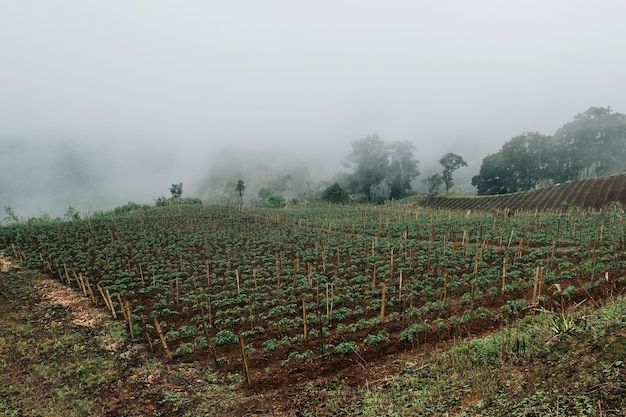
130	82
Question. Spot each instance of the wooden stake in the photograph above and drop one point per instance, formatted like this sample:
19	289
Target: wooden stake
382	305
69	282
374	278
306	333
503	276
157	326
244	357
91	294
108	294
130	319
141	275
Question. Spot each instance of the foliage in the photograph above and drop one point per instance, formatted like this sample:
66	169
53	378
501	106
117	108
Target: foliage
450	163
335	194
369	161
10	215
402	169
225	337
274	201
381	169
177	191
520	165
241	187
593	144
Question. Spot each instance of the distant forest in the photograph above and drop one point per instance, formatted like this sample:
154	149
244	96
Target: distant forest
591	145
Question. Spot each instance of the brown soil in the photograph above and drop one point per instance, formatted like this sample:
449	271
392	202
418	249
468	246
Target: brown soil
592	194
277	389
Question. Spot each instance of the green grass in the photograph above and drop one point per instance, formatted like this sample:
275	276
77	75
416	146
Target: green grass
49	367
522	370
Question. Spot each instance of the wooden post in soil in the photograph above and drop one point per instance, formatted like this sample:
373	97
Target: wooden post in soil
67	275
143	282
310	274
400	288
327	302
157	326
129	318
91	294
374	278
81	283
244	358
306	332
208	274
237	277
382	304
278	272
503	276
445	284
537	285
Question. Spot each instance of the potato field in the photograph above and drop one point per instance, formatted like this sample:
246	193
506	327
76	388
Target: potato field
303	292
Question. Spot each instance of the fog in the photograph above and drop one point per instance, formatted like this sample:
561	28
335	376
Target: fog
102	103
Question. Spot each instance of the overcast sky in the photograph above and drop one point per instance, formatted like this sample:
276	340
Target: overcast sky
142	94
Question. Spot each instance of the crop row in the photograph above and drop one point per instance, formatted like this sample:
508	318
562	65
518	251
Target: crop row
193	281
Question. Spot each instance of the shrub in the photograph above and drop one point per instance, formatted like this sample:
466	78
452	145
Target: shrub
344	348
225	337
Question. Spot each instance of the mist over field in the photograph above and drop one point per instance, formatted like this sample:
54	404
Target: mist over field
105	103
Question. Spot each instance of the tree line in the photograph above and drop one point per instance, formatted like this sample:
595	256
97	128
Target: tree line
593	144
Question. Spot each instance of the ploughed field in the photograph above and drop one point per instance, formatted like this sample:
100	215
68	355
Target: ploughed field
589	194
309	292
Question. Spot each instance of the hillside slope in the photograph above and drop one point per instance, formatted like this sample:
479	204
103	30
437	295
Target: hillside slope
588	194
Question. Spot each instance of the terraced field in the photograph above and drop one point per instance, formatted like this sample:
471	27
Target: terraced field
590	194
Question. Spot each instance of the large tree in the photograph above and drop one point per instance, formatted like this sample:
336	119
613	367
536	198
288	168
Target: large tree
335	194
381	167
521	164
450	163
402	169
593	144
369	161
241	187
177	191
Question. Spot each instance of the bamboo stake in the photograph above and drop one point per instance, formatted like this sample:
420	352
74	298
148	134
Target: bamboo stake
91	294
122	306
306	332
244	357
537	285
374	278
310	274
503	276
130	319
327	302
81	280
400	287
382	305
108	294
106	301
141	275
69	282
237	277
157	326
